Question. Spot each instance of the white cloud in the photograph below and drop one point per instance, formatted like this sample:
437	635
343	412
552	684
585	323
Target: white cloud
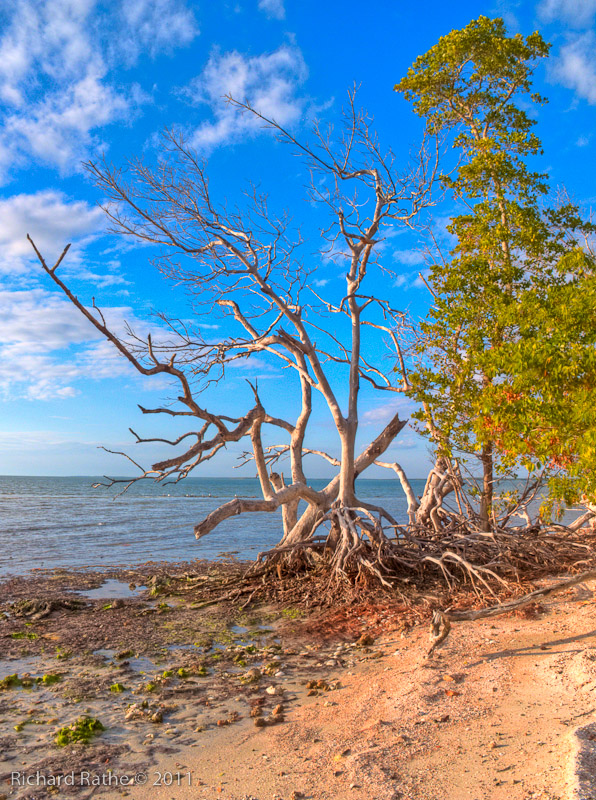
409	257
273	8
403	281
575	66
52	220
268	82
577	13
59	129
46	345
56	64
381	413
102	281
156	26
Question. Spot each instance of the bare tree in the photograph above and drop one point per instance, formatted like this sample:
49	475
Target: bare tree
245	264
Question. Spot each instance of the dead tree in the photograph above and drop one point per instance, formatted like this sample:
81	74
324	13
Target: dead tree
245	265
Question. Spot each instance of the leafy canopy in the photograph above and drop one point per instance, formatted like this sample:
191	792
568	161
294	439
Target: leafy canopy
507	352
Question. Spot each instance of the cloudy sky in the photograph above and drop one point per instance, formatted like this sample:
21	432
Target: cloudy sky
82	78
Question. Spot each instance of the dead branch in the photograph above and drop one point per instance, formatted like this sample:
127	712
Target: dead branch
441	621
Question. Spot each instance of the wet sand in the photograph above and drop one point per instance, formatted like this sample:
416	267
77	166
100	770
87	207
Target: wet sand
268	703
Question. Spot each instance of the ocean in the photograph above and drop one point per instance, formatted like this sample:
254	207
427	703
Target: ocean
48	522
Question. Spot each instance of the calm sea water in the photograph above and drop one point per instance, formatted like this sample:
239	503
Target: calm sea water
50	522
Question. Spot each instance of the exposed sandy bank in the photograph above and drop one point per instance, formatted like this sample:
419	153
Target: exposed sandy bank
491	716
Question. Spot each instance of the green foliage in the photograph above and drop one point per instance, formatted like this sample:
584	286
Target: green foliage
117	688
83	730
541	404
507	352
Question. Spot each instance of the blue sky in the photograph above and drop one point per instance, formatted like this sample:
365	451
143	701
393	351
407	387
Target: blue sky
79	78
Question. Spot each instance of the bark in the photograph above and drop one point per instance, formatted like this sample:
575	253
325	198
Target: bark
486	497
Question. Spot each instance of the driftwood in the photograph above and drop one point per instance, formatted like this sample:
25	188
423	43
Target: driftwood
441	621
38	608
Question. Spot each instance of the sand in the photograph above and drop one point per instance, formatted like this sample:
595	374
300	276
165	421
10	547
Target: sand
494	714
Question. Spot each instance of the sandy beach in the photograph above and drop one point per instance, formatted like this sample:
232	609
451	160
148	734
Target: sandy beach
272	703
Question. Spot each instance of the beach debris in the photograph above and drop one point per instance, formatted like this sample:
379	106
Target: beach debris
136	711
158	584
38	608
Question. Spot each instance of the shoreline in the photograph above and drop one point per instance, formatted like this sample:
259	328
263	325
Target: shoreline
273	702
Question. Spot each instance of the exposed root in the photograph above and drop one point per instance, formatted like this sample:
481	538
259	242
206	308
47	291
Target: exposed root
357	553
441	621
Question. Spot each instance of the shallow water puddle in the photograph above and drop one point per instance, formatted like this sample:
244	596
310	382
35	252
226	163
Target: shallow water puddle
136	663
28	664
112	589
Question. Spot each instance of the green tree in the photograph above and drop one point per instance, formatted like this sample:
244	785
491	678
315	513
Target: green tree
540	405
469	87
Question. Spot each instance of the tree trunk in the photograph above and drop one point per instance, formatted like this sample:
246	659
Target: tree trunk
486	498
